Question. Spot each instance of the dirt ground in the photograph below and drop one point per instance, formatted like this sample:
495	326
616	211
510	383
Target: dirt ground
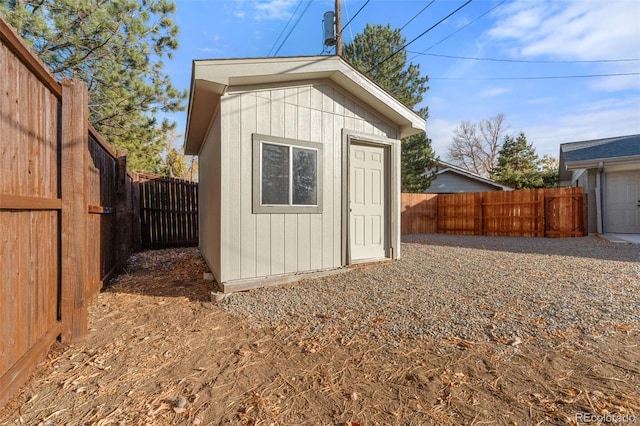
159	352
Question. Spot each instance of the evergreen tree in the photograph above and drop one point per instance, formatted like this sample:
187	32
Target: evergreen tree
116	47
419	163
366	52
175	165
549	170
518	164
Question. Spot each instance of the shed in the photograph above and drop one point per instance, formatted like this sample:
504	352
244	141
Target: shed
451	179
299	163
608	170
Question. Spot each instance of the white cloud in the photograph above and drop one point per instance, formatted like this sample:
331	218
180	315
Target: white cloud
571	30
605	118
494	91
273	9
440	132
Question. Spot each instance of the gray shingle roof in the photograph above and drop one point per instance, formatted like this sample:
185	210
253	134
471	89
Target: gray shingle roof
621	146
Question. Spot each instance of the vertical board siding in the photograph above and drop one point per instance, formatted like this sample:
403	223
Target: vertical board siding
315	220
330	198
277	225
556	212
259	245
263	221
291	220
248	124
231	172
209	201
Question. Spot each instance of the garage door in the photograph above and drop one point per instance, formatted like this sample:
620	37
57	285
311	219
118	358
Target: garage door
622	202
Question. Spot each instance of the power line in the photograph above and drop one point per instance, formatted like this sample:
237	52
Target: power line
285	27
417	14
554	77
464	26
354	16
293	27
346	9
525	60
422	34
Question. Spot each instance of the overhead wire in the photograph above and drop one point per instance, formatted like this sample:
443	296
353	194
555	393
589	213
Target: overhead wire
293	27
353	17
417	14
419	36
463	27
555	77
285	27
527	61
346	9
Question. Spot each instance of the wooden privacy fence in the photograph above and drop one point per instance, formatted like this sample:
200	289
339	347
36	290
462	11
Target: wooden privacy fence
168	212
66	210
555	212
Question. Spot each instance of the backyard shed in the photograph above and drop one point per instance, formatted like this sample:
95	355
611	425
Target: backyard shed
299	163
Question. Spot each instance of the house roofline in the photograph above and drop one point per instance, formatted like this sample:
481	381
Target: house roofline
467	173
595	162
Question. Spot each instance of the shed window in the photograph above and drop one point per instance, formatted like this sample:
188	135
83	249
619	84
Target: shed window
286	176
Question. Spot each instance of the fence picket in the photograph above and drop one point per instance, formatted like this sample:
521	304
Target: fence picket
167	210
554	212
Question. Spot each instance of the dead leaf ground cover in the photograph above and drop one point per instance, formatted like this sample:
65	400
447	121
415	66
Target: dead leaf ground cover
159	352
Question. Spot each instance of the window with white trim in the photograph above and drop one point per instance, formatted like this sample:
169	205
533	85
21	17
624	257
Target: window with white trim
286	175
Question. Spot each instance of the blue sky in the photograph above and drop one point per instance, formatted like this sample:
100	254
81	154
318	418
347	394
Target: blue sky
548	111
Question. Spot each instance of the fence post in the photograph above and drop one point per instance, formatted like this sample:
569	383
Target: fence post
74	232
122	225
135	201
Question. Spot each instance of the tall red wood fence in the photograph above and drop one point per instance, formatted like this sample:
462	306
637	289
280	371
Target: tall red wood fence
66	211
554	212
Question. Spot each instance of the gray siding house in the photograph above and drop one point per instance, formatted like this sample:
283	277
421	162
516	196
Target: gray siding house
299	164
608	170
452	179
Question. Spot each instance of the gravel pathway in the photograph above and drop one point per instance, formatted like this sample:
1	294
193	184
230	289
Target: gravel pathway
465	287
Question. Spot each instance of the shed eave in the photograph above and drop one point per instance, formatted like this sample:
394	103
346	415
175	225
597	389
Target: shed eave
203	102
211	77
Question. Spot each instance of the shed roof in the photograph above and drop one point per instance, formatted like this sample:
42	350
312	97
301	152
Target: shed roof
211	78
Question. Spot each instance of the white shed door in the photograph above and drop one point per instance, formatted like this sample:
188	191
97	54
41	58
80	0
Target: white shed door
622	197
368	202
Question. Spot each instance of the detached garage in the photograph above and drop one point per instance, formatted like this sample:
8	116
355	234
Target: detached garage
299	164
608	170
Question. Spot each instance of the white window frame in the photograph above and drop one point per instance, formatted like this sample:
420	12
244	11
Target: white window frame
258	207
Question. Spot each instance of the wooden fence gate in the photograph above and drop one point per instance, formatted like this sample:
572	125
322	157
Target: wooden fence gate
168	212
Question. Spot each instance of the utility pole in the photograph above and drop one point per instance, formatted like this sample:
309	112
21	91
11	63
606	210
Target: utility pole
338	28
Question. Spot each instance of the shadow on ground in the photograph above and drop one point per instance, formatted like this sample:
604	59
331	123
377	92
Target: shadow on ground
174	272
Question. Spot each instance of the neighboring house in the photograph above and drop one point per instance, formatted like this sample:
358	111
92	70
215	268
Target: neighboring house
299	164
608	170
453	179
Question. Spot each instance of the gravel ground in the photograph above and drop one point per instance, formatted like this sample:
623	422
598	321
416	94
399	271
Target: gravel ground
472	288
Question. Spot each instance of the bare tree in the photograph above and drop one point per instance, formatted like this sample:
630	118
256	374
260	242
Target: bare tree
475	146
